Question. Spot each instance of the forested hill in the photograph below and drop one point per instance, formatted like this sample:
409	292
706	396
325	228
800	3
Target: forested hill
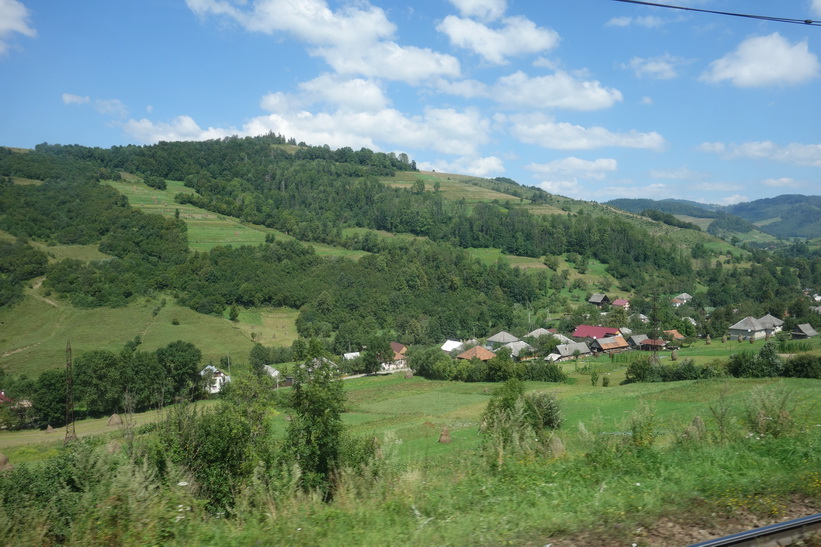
420	290
783	216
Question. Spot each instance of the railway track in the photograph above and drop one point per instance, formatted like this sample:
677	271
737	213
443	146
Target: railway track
774	535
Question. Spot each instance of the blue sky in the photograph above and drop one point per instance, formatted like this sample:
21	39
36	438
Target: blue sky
592	99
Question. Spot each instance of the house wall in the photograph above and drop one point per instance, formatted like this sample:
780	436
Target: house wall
756	335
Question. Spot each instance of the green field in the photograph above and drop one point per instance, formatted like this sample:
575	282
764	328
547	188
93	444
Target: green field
33	334
207	230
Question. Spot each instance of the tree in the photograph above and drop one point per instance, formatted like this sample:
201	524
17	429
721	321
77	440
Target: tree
181	363
258	358
378	351
49	397
315	431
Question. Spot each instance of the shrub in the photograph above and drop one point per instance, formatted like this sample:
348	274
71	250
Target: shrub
544	411
544	371
803	366
765	364
770	412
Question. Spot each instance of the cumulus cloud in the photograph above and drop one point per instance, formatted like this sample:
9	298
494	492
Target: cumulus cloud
519	35
794	153
354	40
391	61
13	20
648	21
486	10
354	94
570	188
559	90
565	136
447	131
663	67
763	61
68	98
477	166
575	167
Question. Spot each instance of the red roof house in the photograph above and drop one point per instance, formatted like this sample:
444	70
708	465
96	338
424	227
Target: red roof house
590	331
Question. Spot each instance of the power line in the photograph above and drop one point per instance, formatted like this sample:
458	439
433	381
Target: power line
808	22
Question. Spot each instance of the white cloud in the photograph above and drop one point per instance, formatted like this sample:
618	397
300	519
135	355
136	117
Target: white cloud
570	188
783	182
663	67
13	20
446	131
575	167
763	61
559	90
353	40
111	107
647	101
355	94
309	20
656	190
68	98
391	61
648	21
815	6
519	35
794	153
182	128
565	136
732	200
477	166
486	10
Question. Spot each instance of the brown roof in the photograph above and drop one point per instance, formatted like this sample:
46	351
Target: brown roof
675	335
479	352
614	342
399	348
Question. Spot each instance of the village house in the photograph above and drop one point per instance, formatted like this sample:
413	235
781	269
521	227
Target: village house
652	344
613	344
621	303
771	324
500	339
564	352
214	378
518	348
599	300
593	332
675	335
636	340
804	331
747	328
477	352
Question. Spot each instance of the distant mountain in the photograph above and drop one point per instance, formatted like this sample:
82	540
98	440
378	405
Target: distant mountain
672	206
790	215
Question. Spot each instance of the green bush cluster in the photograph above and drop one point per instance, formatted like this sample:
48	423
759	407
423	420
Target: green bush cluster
645	370
434	364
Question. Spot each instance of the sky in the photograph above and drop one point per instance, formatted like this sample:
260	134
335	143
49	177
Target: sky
591	99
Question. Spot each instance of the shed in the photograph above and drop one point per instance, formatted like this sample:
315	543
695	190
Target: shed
804	330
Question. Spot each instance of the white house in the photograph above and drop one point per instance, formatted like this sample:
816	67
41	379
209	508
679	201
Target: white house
215	379
749	327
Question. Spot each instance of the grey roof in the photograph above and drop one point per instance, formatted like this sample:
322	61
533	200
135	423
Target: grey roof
770	321
597	298
517	347
502	338
566	350
684	296
806	329
538	332
816	309
637	339
749	323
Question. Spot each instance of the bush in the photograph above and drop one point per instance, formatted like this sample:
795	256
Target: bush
544	411
765	364
544	371
803	366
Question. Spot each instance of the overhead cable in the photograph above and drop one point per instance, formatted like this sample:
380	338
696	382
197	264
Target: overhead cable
809	22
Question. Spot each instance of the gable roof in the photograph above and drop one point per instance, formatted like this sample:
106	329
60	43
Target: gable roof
620	302
685	297
399	348
518	347
590	331
675	335
637	339
598	298
538	332
502	337
566	350
477	352
806	330
749	323
270	371
653	342
770	321
611	343
451	345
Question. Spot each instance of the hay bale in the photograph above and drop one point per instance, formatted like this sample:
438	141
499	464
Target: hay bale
556	446
4	463
444	437
408	375
708	340
115	420
49	429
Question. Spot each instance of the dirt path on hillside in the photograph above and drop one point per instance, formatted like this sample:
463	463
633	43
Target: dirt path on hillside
35	287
